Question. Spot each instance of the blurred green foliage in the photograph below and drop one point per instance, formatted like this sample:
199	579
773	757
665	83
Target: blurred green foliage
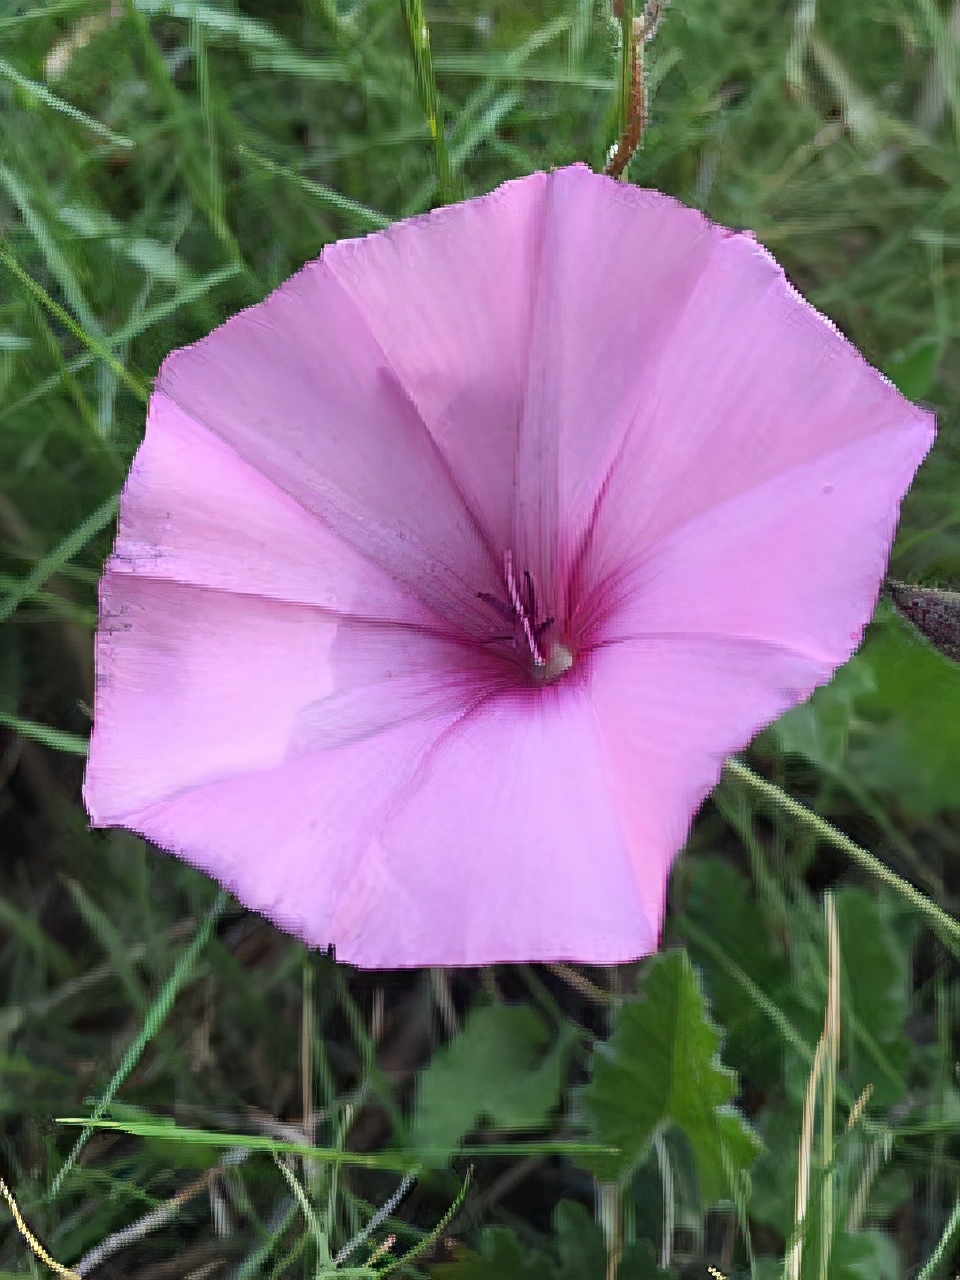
164	163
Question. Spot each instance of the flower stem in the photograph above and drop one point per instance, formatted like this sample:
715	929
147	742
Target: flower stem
946	927
638	21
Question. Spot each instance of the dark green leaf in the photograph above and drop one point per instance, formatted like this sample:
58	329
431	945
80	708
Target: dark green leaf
728	939
498	1068
914	751
913	372
661	1069
583	1253
875	996
501	1257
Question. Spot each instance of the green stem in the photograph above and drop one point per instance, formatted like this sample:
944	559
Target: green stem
946	927
419	36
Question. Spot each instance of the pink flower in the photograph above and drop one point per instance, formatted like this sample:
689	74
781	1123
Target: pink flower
447	576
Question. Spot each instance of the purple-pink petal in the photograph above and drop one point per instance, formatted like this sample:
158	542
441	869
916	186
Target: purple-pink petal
447	577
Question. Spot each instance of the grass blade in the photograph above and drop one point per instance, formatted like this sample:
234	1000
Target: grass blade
418	34
50	99
54	561
56	739
156	1017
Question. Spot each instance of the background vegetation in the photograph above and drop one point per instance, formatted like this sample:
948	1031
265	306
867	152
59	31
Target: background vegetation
166	162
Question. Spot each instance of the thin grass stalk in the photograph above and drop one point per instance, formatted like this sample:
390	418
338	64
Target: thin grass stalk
794	1258
432	1237
418	33
156	1017
631	96
950	1233
824	1070
36	1248
56	739
53	561
945	926
878	1153
669	1202
134	384
831	1035
610	1213
316	1229
157	1217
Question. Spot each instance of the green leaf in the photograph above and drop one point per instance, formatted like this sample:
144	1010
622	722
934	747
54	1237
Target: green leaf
579	1243
889	721
583	1252
660	1070
501	1257
914	750
498	1068
819	729
728	939
876	965
868	1255
913	372
773	1180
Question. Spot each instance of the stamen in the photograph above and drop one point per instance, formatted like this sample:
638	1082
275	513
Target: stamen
521	610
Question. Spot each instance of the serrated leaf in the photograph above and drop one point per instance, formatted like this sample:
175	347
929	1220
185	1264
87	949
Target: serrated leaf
660	1069
499	1068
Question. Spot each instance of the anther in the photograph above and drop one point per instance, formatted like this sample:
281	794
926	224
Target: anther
521	610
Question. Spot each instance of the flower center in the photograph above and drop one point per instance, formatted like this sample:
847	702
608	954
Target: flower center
545	661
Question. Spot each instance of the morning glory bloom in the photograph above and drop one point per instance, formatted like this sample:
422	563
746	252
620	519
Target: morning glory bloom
447	577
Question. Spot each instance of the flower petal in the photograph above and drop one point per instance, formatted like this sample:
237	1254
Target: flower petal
670	709
777	390
795	562
198	685
699	374
618	268
448	297
299	389
193	512
463	835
